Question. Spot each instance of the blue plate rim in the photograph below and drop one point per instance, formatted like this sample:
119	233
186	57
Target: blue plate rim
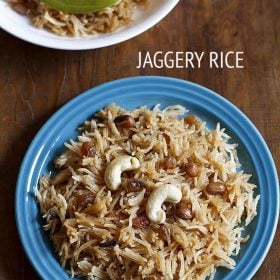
132	81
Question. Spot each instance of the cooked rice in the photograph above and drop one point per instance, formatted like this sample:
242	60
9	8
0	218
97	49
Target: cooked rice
196	247
64	24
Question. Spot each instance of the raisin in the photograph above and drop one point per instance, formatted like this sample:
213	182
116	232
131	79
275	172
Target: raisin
190	120
88	149
134	185
141	221
84	199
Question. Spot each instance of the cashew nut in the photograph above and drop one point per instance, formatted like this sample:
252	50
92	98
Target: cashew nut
112	176
169	193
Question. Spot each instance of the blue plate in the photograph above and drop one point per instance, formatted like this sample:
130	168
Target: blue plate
131	93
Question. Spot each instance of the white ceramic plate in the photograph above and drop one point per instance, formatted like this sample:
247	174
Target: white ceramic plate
143	19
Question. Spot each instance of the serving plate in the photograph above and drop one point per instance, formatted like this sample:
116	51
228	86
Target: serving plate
131	93
143	19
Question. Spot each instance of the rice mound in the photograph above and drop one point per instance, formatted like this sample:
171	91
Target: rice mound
64	24
92	228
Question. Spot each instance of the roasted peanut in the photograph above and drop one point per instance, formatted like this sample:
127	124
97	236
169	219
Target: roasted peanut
141	221
169	163
183	211
191	169
216	188
134	185
190	120
124	121
88	149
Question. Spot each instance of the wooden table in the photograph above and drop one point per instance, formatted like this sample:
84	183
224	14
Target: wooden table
36	81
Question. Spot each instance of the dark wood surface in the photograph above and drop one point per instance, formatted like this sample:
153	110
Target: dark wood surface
36	81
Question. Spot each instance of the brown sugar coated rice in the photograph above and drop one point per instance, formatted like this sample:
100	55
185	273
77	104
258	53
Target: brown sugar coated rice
64	24
104	234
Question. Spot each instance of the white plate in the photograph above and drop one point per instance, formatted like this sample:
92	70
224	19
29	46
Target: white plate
143	19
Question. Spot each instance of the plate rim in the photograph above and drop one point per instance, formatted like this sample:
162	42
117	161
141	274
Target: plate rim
99	90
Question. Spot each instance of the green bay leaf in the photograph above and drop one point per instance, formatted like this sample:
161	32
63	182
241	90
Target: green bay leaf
79	6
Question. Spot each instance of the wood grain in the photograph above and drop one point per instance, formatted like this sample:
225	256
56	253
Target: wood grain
36	81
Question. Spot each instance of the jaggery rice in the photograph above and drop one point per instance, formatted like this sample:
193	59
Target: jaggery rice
104	234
